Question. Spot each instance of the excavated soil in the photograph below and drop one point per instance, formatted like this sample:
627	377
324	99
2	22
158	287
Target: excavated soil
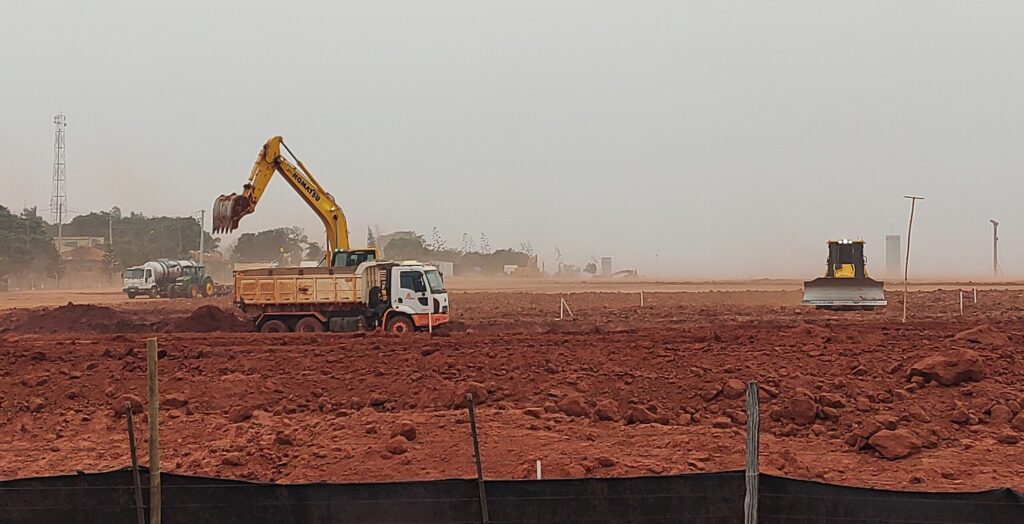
619	391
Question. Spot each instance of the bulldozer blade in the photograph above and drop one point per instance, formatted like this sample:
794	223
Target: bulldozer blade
844	293
227	211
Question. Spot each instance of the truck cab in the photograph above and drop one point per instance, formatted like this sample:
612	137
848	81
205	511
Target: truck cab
138	280
417	298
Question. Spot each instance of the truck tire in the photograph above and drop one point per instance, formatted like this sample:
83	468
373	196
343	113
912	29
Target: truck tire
131	295
274	326
154	292
399	325
208	288
309	325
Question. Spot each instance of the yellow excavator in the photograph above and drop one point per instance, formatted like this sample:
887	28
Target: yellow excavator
228	210
846	284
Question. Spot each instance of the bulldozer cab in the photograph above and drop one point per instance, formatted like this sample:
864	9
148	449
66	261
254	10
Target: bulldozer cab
845	259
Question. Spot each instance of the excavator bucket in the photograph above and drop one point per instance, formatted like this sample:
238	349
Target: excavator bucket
843	293
228	210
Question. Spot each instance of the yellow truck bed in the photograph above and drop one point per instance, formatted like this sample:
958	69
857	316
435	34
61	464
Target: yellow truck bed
303	286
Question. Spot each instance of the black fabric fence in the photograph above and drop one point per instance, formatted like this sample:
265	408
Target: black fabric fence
107	498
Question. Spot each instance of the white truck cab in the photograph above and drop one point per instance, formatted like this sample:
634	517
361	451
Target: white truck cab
139	280
417	292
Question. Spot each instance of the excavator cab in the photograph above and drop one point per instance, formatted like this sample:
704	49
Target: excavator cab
352	258
846	284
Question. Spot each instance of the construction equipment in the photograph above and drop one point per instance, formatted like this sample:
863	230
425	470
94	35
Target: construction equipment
846	284
169	278
228	210
396	297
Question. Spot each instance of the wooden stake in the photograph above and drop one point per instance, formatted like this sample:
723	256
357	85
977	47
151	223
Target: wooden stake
975	295
753	442
961	302
154	432
140	515
641	298
484	514
906	265
538	469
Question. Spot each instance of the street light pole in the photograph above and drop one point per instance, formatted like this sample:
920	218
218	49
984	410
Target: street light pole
202	233
995	248
906	264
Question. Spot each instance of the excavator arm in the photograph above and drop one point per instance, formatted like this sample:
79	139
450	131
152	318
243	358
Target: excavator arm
228	210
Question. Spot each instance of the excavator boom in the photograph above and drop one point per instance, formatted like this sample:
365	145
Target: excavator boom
228	210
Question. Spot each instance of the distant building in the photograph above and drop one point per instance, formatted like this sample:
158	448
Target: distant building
64	244
606	267
892	256
85	266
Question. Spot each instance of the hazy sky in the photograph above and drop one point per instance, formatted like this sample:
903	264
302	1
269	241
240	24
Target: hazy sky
731	138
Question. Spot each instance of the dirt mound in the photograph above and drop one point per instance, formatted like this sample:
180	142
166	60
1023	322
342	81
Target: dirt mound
209	318
984	334
79	318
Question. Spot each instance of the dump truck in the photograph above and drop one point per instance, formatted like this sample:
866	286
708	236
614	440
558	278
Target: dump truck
396	297
846	284
353	289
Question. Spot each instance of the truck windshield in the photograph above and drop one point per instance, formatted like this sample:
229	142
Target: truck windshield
436	284
134	273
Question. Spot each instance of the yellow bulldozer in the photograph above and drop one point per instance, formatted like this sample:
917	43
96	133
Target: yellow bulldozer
846	284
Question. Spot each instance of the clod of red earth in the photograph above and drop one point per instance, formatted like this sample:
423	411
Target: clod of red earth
458	399
801	409
734	389
1018	422
721	423
574	406
233	459
950	367
605	462
607	410
1007	438
396	446
639	415
83	318
36	404
983	334
895	444
1000	414
121	402
534	412
173	401
239	414
918	413
404	429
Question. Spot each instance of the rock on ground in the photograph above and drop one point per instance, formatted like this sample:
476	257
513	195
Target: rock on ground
895	444
950	367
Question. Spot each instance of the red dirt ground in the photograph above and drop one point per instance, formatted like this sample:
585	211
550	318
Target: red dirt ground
620	391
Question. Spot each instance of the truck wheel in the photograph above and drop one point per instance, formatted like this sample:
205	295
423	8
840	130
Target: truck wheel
131	295
154	292
399	325
274	326
309	325
208	288
193	291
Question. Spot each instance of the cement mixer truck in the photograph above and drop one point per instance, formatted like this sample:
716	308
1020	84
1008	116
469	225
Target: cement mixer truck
168	278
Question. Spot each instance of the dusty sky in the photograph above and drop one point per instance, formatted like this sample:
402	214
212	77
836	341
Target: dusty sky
730	138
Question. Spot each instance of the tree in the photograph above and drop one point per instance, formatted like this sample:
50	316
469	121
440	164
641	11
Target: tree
26	247
371	239
314	251
282	245
138	238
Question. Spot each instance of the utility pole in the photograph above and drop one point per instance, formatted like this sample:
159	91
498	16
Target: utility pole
202	233
906	265
995	248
